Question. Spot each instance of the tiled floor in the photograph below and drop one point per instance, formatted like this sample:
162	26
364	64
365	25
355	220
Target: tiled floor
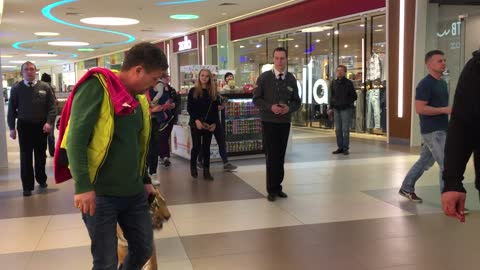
343	212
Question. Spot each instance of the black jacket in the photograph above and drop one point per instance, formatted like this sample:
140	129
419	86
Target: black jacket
463	137
343	94
202	108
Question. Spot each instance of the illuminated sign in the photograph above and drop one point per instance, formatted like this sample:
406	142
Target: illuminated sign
186	44
454	30
310	91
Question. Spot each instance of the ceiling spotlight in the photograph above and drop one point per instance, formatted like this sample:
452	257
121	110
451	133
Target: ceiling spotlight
336	32
362	25
328	34
68	43
184	17
296	45
258	45
345	46
46	34
380	25
40	55
109	21
317	40
241	46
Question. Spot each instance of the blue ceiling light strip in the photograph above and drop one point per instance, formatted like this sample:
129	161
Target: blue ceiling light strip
46	11
16	45
179	2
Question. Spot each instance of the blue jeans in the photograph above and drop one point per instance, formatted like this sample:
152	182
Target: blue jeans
432	150
133	216
343	120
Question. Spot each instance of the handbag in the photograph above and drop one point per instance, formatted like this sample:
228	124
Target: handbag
204	119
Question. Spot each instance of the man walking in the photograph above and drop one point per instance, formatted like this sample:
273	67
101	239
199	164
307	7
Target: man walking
431	104
32	103
277	97
341	104
106	143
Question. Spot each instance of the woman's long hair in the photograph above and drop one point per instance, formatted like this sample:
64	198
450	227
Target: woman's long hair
211	85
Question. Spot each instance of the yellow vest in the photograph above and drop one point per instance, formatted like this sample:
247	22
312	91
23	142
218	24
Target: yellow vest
103	133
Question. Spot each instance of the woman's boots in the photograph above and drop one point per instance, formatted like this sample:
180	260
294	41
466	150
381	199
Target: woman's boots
193	170
206	174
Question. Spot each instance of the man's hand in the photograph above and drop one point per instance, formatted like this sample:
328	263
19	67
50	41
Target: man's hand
13	134
85	202
447	110
453	203
198	124
276	109
149	189
47	128
212	127
330	112
285	109
157	108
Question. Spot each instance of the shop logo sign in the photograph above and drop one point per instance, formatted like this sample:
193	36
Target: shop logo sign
186	44
454	30
317	91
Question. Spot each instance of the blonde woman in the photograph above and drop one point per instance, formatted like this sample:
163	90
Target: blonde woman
202	105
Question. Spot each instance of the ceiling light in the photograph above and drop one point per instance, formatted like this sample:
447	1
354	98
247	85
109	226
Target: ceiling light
86	50
241	46
109	21
336	32
21	11
378	30
68	43
53	60
318	40
184	17
6	56
285	39
40	55
345	46
9	66
20	61
317	29
328	34
362	25
296	46
380	25
258	45
46	34
179	2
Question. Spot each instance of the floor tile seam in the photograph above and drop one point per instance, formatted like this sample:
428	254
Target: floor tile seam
43	233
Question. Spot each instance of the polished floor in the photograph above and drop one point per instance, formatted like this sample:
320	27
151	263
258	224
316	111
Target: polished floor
343	212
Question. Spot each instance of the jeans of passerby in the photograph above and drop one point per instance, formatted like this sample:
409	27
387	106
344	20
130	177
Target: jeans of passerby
222	148
343	120
359	111
164	141
373	108
133	216
432	151
153	148
275	140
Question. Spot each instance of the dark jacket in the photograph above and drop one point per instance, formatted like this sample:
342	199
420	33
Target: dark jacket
463	136
343	94
202	108
271	91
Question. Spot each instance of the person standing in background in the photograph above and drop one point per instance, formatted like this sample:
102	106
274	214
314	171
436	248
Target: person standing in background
277	98
51	136
32	103
341	104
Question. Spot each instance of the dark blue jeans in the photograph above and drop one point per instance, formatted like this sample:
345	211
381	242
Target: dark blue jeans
343	120
132	214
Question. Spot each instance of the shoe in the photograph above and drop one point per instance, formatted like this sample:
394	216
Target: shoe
43	185
193	172
229	166
271	198
338	151
27	193
346	152
466	211
155	182
410	195
282	194
207	176
166	162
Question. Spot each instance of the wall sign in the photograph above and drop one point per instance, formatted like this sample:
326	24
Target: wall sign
310	91
453	30
186	44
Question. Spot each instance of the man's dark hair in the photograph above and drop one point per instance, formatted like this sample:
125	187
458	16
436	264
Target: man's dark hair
280	49
46	78
226	75
344	68
147	55
430	54
28	63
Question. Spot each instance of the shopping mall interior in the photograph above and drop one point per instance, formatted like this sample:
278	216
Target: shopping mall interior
343	212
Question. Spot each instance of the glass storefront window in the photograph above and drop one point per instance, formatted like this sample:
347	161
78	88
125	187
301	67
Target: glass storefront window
187	79
250	56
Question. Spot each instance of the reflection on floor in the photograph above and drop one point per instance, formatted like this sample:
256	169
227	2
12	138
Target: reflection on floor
343	212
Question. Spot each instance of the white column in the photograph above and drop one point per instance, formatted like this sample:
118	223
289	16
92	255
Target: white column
3	129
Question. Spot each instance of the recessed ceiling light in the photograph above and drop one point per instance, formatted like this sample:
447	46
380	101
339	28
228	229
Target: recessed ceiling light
241	46
46	34
336	32
86	50
258	45
380	25
20	61
345	46
179	2
184	17
317	29
328	34
68	43
362	25
378	30
109	21
6	56
40	55
296	46
318	40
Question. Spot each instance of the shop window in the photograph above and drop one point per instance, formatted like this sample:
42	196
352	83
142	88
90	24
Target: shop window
187	79
250	56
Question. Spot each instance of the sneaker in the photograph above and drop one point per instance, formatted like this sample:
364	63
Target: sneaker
346	152
410	195
229	166
43	185
466	211
338	151
166	162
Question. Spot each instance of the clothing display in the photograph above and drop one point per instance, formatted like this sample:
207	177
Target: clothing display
375	67
373	108
360	111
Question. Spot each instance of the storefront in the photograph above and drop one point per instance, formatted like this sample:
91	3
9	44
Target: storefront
185	49
314	51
